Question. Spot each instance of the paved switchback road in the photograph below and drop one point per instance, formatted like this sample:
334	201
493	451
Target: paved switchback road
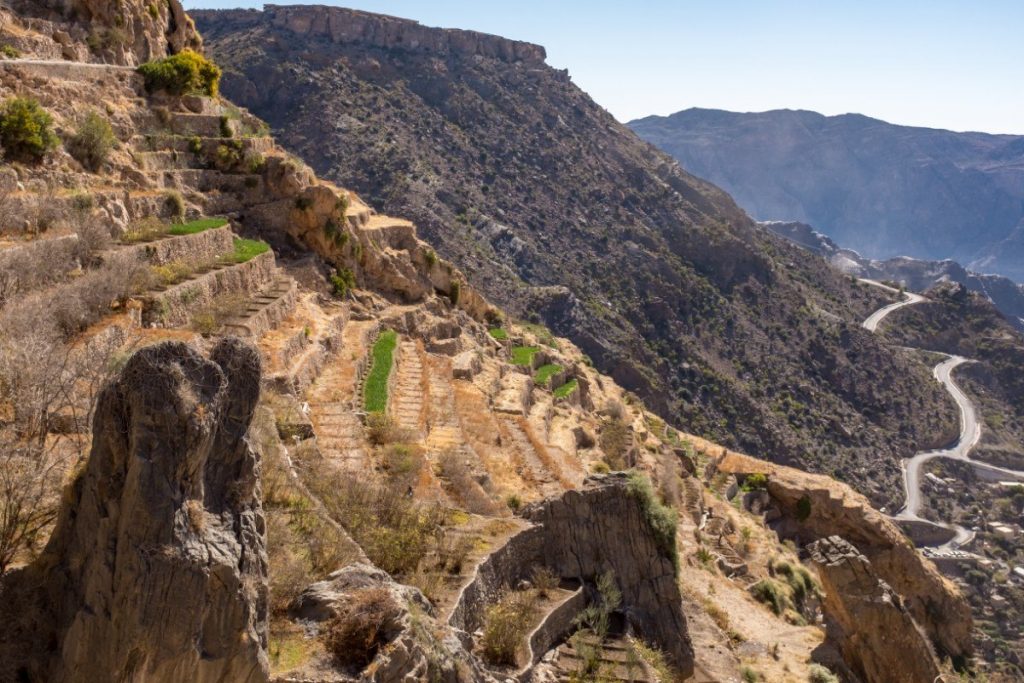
970	432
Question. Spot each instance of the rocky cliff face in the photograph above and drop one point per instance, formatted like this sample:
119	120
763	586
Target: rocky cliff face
867	620
156	570
556	211
111	32
882	189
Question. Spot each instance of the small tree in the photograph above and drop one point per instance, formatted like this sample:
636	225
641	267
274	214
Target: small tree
92	141
181	74
26	129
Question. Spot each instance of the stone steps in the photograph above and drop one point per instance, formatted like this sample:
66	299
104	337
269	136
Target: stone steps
616	663
151	162
530	465
407	399
183	144
340	433
265	310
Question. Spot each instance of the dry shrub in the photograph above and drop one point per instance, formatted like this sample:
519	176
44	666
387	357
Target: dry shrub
615	439
369	619
395	531
505	627
545	580
463	487
289	572
453	551
145	230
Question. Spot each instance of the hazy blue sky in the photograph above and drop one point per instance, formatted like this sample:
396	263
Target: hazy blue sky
957	65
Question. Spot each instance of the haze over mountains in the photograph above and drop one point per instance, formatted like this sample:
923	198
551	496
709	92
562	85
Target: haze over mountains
881	189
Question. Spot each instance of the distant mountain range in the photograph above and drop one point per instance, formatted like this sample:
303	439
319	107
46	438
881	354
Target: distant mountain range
915	274
881	189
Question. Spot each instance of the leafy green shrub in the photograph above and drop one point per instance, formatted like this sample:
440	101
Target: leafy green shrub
226	131
195	144
9	51
661	518
430	257
455	291
343	281
505	627
755	482
187	72
92	141
154	11
749	675
514	502
26	129
375	392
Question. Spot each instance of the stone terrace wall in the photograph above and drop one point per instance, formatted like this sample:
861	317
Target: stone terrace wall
582	535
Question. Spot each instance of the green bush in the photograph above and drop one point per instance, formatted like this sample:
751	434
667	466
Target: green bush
661	518
9	51
498	333
755	482
803	508
343	281
92	141
771	593
455	291
506	625
187	72
26	129
175	204
375	393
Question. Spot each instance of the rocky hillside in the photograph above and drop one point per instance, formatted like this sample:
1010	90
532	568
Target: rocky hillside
561	215
882	189
326	457
914	274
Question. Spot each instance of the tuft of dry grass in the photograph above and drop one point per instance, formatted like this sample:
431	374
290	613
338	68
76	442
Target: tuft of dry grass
506	624
368	620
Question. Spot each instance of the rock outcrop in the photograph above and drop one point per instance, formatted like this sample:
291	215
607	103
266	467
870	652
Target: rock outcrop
867	620
157	569
124	32
811	507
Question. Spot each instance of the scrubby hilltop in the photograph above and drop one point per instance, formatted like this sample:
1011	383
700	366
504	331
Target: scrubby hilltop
559	213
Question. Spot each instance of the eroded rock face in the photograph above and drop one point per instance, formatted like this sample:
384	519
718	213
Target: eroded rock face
812	507
157	569
867	620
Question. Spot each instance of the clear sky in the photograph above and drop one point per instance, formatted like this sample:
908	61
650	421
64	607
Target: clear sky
938	63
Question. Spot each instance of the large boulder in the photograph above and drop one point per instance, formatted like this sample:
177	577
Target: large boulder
156	570
868	621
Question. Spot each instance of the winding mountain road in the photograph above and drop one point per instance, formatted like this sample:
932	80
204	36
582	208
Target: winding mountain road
970	433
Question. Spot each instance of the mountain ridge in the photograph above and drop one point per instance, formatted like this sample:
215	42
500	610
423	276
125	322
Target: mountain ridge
879	188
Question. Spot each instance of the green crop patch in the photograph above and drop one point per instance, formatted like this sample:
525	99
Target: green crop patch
375	391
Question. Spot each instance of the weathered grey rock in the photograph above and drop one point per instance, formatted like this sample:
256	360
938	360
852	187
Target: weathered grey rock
867	620
466	365
157	569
